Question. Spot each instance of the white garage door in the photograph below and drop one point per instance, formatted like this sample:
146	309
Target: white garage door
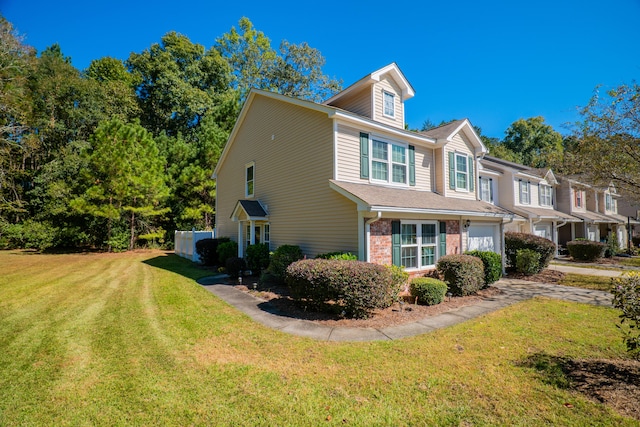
483	238
543	230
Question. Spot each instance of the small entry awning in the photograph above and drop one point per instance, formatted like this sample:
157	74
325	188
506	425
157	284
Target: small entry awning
249	210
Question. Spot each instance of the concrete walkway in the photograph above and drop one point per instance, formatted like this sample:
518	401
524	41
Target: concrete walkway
513	291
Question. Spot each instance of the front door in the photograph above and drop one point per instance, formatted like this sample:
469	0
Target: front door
257	229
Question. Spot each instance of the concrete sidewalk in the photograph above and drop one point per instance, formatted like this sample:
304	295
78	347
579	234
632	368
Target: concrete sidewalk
513	291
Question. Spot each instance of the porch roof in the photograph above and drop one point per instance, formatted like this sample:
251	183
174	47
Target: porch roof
545	213
252	209
593	217
378	198
621	219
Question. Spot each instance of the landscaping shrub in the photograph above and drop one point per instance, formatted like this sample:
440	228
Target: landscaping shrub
626	297
636	241
399	279
226	250
464	274
585	250
356	287
235	266
527	261
347	256
207	249
282	258
257	257
492	265
514	241
612	247
428	290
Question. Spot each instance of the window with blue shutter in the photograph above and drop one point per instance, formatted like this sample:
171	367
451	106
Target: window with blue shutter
412	165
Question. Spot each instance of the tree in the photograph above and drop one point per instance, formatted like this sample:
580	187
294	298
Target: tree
294	70
117	87
535	143
127	180
180	83
606	144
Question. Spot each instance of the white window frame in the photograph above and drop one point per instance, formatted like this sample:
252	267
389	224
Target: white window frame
266	234
250	184
464	173
419	244
488	182
525	185
610	203
544	189
389	162
578	200
388	108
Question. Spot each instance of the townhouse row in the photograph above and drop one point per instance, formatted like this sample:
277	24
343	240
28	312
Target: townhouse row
345	175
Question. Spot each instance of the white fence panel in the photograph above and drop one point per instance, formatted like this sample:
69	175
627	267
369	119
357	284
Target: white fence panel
185	243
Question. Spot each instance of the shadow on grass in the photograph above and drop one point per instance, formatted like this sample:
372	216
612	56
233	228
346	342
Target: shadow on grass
182	266
614	382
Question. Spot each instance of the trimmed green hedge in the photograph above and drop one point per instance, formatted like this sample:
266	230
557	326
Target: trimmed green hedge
207	249
429	291
492	265
527	261
282	258
586	250
464	274
258	257
356	287
347	256
514	241
227	250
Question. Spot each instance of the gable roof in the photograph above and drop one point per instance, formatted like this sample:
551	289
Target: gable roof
392	69
387	199
446	133
252	208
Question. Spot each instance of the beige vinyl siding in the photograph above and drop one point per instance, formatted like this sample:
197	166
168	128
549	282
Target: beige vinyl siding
592	201
349	157
390	86
564	197
460	144
440	170
358	102
292	148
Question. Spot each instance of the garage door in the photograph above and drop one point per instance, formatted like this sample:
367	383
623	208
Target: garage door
483	238
542	230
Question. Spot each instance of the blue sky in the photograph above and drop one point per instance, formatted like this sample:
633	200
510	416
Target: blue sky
491	61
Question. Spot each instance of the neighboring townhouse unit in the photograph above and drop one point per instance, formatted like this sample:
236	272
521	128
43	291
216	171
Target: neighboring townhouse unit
345	175
528	192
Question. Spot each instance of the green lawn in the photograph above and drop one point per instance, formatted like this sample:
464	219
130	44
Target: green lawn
131	339
599	283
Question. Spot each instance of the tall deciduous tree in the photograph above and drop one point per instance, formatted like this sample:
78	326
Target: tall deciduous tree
535	143
606	146
127	179
180	83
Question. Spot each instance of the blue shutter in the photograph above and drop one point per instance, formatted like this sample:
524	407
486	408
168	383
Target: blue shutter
395	244
412	165
472	178
364	155
452	171
443	239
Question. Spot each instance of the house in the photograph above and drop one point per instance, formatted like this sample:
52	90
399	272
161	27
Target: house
345	175
528	192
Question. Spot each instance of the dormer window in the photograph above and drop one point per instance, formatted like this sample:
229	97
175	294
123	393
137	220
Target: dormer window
578	198
546	195
389	104
609	203
525	192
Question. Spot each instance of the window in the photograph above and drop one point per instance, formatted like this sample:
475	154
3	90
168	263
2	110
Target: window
389	104
525	193
256	230
461	172
609	203
418	244
546	198
249	180
266	229
486	189
388	168
578	198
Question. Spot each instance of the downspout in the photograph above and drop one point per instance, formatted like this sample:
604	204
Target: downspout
503	251
556	234
367	225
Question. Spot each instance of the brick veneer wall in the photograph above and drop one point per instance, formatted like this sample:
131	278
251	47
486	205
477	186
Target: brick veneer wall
453	237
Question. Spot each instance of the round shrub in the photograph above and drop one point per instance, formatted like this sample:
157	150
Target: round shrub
492	265
227	250
464	274
429	291
399	279
626	297
514	241
282	258
586	250
207	249
527	261
257	257
354	286
235	266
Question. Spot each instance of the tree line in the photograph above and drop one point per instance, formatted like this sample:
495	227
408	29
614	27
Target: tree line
120	154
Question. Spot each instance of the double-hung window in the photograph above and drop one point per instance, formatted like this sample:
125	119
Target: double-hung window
249	180
525	192
546	198
609	203
389	104
486	190
462	173
388	162
578	198
419	241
